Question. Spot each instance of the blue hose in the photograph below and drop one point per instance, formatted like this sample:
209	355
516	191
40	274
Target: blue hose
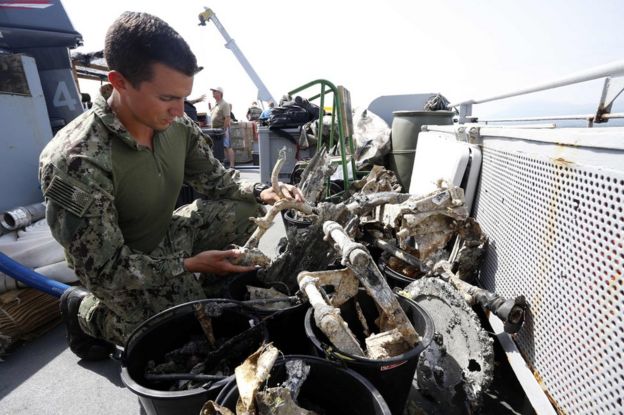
31	278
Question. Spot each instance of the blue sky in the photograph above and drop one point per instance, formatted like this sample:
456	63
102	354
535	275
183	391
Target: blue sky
463	49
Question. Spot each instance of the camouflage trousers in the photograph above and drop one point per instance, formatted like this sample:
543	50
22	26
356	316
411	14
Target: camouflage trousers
200	226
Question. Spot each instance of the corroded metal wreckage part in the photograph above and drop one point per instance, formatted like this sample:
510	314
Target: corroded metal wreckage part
385	345
398	333
254	398
315	175
457	367
212	408
282	400
298	372
327	316
345	283
378	180
249	253
266	221
360	204
278	401
355	257
206	324
306	249
251	375
426	219
510	311
257	294
250	257
305	245
400	254
275	184
204	357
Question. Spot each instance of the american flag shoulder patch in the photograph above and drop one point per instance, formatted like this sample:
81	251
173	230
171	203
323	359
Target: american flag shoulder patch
75	197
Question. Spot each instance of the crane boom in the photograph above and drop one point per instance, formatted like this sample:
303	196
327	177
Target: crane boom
263	92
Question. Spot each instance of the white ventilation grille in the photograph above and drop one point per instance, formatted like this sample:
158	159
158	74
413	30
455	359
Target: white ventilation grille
557	236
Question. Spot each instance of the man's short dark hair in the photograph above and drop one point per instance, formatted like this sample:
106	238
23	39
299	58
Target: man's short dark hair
135	41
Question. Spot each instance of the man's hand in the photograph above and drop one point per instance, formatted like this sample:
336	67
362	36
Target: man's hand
215	262
289	191
197	100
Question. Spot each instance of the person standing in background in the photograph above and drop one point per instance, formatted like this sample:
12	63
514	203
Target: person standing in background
221	118
266	114
253	115
253	112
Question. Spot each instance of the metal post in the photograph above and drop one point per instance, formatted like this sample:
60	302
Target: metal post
465	111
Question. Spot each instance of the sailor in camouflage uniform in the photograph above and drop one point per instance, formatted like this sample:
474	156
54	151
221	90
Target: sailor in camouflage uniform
111	179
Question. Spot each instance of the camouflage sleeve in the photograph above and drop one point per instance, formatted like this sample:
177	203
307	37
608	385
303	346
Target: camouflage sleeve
83	218
208	176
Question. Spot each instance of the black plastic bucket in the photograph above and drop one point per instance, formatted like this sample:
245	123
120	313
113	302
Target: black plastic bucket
393	376
330	389
168	330
394	278
285	325
290	222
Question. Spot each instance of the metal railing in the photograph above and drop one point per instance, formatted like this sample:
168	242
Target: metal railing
613	87
341	112
587	117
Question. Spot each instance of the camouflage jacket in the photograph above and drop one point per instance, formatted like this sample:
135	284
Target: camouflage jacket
75	172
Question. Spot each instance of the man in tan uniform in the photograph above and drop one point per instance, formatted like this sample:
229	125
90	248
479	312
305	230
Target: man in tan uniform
221	118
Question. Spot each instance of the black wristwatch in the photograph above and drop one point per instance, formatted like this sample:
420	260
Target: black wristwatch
259	188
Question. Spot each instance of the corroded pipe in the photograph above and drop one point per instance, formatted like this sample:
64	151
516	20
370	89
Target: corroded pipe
327	317
399	253
510	311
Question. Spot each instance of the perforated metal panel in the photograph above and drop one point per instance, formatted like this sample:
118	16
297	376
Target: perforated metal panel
556	226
